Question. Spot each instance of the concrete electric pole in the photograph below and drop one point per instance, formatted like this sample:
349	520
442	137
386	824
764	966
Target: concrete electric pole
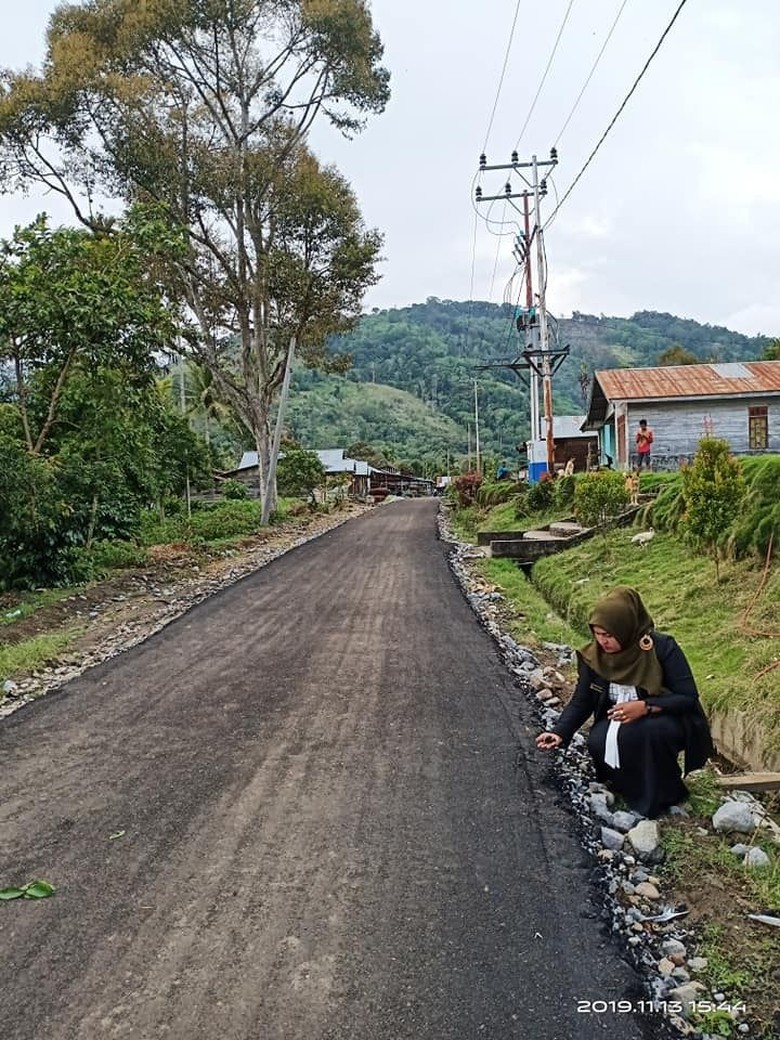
539	357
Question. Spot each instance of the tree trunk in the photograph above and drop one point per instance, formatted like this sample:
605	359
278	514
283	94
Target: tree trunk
92	522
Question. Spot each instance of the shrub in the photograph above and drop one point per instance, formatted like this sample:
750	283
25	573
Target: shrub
758	524
667	511
495	494
564	488
225	520
234	490
155	530
714	488
38	543
107	556
522	509
466	487
600	497
540	496
299	472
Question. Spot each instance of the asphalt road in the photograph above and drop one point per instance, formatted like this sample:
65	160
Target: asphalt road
332	825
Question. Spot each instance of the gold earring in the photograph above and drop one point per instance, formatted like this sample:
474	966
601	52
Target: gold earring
646	642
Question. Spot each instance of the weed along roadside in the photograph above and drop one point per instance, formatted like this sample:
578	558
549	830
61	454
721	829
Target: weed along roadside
715	968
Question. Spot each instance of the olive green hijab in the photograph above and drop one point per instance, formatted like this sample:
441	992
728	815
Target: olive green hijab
622	613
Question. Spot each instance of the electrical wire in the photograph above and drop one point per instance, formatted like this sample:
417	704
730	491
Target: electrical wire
544	74
495	265
590	74
476	176
503	74
617	115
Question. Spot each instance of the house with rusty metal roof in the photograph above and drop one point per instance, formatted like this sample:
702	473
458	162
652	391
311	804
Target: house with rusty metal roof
736	401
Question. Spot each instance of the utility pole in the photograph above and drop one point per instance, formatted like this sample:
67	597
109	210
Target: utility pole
538	356
476	428
265	515
183	407
529	306
546	367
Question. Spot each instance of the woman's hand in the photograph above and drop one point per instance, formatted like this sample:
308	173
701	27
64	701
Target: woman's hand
628	711
548	741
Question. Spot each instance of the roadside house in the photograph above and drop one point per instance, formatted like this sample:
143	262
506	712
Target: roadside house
333	460
360	477
737	401
572	442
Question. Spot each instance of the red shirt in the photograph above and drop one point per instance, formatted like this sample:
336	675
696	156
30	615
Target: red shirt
644	440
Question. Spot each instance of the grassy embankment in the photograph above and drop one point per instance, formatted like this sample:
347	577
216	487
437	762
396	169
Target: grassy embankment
728	628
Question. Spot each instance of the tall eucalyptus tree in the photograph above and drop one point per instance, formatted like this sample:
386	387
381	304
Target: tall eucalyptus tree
203	106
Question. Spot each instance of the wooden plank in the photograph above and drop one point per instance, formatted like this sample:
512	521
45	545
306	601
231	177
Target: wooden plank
750	782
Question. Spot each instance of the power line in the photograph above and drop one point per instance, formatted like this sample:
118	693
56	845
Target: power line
617	115
544	74
590	74
503	73
476	176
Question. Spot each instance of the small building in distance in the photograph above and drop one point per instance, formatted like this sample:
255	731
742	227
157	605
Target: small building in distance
361	478
572	442
736	401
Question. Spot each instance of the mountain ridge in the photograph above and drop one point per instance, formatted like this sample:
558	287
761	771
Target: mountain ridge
433	351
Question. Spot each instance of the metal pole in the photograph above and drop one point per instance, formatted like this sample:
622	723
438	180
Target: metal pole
546	371
183	406
476	427
533	381
266	513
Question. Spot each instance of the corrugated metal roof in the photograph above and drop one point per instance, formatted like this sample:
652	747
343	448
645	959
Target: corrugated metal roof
568	426
331	458
646	384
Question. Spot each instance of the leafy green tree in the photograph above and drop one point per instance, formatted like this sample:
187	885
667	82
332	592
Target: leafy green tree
600	497
300	472
204	107
772	352
34	545
677	355
713	489
71	298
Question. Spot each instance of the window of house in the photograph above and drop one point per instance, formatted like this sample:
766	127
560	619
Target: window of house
758	428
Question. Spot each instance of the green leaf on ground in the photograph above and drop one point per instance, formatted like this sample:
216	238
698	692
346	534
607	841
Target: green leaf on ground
38	890
32	890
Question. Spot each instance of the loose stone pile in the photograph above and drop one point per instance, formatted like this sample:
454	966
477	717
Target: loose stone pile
625	846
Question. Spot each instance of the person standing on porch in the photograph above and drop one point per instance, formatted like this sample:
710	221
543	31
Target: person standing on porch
644	444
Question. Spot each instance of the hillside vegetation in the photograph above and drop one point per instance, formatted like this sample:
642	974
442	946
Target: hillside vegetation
434	351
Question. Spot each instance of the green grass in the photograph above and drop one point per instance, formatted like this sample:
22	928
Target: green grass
22	658
532	621
24	604
741	960
686	599
467	522
705	792
729	627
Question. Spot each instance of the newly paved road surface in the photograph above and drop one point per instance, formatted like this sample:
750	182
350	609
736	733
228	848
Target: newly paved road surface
334	825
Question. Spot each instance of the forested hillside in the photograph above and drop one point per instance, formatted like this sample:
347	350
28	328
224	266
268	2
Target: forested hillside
434	351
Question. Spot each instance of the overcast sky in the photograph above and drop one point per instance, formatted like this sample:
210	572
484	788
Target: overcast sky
680	209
